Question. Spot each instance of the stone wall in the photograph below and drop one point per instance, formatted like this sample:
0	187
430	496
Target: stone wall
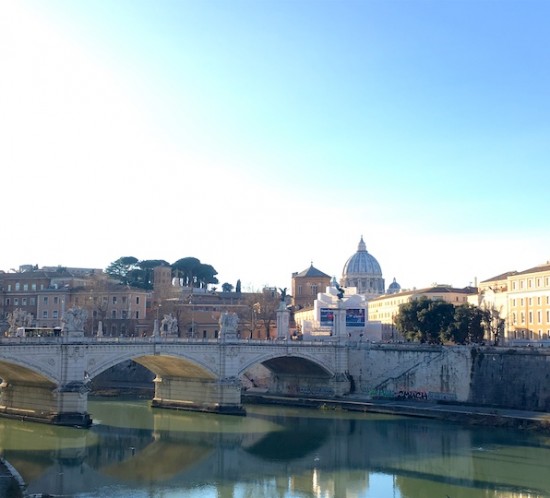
505	377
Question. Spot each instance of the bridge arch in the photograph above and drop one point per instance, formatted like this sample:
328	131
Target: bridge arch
290	364
21	371
165	364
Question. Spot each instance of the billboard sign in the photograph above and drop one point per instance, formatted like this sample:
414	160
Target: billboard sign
355	317
327	317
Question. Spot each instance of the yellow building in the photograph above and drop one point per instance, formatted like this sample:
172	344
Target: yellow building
528	300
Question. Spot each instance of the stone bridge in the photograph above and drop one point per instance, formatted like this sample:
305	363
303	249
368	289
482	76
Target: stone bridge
46	379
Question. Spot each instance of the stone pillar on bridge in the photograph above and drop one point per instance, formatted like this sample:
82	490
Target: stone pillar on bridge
283	319
340	331
70	398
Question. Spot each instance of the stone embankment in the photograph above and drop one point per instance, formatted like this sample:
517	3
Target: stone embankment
452	412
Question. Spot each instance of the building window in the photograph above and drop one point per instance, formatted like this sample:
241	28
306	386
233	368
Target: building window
530	317
530	301
32	301
521	302
9	287
299	290
539	316
33	286
547	316
45	300
16	301
55	300
23	301
7	301
25	287
313	290
55	314
538	301
513	302
522	317
124	314
137	315
113	314
137	299
17	286
123	299
114	299
45	314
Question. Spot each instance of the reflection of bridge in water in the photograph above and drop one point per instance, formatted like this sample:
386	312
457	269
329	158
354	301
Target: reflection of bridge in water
185	450
47	379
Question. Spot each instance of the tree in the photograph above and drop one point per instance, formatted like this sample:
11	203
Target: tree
424	320
120	268
406	321
192	273
129	271
205	274
184	269
467	325
145	276
493	324
238	287
435	319
226	287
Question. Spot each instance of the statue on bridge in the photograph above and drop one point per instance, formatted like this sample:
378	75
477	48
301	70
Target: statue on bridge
18	319
73	320
228	326
169	325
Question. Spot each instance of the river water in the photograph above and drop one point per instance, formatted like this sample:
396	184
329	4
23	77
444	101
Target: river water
135	451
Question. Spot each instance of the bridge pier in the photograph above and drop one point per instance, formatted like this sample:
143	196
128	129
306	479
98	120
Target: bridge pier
194	394
43	402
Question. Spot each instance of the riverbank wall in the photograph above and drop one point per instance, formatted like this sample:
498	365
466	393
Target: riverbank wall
500	377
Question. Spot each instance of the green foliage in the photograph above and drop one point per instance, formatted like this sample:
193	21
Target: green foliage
467	326
120	268
129	270
227	287
193	273
436	321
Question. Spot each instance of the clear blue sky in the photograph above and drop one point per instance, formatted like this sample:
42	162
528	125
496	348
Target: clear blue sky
262	135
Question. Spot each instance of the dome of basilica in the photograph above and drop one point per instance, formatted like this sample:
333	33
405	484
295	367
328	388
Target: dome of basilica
363	271
394	288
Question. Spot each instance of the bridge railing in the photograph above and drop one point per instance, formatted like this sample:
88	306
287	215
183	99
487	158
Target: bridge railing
157	339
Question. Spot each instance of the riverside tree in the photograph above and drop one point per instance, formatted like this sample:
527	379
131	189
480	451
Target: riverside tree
436	321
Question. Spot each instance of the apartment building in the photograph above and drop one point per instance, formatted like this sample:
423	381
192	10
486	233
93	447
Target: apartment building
44	295
528	304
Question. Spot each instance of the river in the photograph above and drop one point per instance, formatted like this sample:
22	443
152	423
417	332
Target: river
135	451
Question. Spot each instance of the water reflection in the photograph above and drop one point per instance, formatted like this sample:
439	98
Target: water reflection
282	452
